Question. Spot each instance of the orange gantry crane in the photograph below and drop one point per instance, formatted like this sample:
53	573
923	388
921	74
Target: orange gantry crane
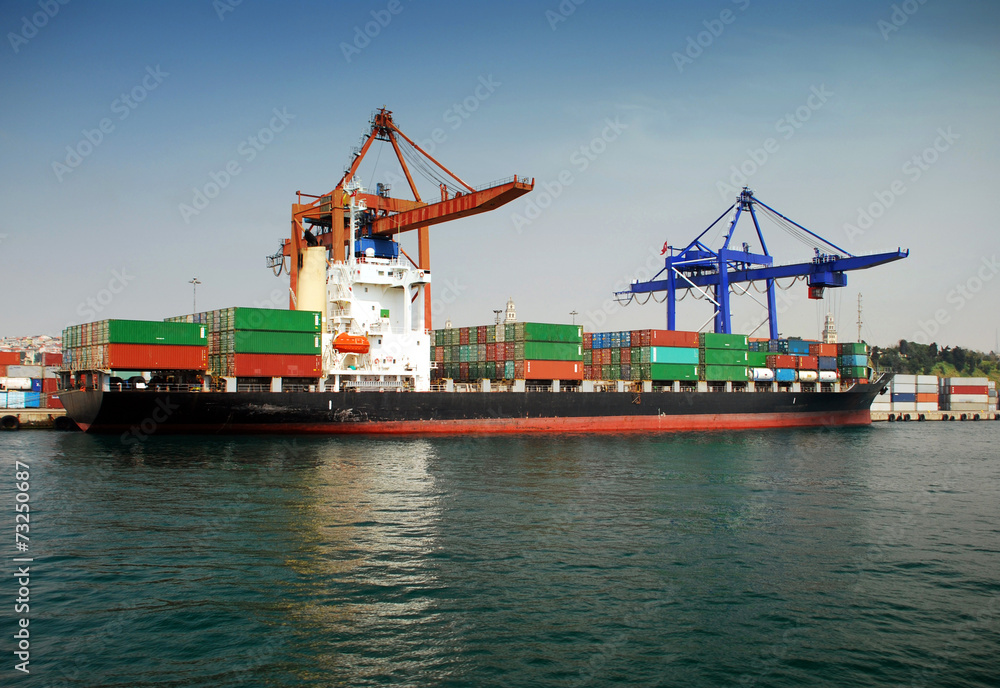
328	216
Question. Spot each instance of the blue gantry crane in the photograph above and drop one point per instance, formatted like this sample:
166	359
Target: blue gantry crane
699	267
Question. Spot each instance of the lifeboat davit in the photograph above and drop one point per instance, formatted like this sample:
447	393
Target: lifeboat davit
351	343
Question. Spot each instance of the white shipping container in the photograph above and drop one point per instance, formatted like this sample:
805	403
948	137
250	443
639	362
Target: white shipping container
15	400
904	379
967	399
3	400
762	374
926	406
927	380
881	406
926	389
978	408
29	371
904	387
905	406
961	381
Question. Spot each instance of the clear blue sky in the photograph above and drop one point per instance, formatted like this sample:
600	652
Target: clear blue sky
99	230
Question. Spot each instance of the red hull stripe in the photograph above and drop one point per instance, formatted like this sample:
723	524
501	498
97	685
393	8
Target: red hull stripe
602	424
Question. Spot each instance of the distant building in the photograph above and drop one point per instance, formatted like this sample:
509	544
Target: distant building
511	315
829	330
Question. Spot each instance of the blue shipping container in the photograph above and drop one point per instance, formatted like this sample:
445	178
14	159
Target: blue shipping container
853	360
798	347
784	375
32	400
904	397
626	340
36	385
827	362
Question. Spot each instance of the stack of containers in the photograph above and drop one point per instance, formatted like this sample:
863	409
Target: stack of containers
991	388
658	355
826	361
525	351
965	394
927	393
265	342
852	362
904	394
135	345
724	357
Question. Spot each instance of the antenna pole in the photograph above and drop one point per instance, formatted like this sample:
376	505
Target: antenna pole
859	316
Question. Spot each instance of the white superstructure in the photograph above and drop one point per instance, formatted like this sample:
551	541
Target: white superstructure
380	299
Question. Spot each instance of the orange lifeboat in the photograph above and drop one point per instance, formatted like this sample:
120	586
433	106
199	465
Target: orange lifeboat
351	343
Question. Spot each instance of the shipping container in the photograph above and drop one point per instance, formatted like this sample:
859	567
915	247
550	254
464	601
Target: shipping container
723	357
758	359
926	398
951	406
825	350
672	354
798	347
670	372
852	349
951	381
808	376
966	398
714	340
807	362
965	389
3	400
719	373
548	351
678	338
276	365
257	342
10	358
51	359
828	376
781	361
29	371
150	332
785	375
905	397
154	357
852	360
21	384
548	332
827	362
553	370
15	399
762	374
927	406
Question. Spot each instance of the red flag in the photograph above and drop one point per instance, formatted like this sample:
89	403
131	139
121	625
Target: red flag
666	247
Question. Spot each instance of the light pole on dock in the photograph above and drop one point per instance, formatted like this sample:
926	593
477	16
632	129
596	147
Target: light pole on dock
194	296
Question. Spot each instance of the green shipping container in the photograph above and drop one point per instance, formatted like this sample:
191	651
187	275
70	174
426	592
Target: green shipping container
727	357
547	332
712	340
271	320
588	357
616	356
548	351
757	359
856	372
152	332
508	370
852	349
669	371
255	342
718	373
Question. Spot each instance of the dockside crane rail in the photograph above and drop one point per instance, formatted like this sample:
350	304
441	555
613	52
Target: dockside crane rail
324	220
713	273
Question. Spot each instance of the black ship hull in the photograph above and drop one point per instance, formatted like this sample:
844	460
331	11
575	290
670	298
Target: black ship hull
143	413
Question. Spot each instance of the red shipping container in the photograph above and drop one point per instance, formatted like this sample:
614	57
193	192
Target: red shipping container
438	354
822	349
508	353
782	361
672	338
553	370
3	370
53	402
807	362
10	358
277	365
463	335
588	340
518	370
156	357
967	389
463	371
491	352
51	359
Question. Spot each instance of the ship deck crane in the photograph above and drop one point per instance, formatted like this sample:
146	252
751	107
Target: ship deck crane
325	220
699	267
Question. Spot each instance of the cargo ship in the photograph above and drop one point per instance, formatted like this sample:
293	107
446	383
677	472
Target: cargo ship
356	352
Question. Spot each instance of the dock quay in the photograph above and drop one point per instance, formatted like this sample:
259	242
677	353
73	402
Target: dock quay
35	419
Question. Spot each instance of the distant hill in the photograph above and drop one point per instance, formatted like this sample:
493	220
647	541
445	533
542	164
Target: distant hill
929	359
